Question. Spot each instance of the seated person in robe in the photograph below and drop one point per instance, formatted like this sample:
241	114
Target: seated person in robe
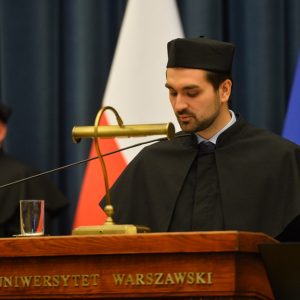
38	188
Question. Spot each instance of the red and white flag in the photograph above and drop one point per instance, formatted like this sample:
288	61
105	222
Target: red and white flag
136	90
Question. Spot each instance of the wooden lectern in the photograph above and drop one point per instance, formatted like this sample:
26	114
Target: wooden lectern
193	265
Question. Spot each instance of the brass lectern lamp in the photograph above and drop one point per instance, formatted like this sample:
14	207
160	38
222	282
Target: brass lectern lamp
120	130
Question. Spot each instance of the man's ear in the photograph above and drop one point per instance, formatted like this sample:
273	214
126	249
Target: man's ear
3	131
225	90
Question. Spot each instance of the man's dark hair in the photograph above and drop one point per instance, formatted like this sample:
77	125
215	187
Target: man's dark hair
216	78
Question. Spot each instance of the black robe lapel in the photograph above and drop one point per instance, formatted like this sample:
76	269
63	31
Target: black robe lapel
146	192
176	171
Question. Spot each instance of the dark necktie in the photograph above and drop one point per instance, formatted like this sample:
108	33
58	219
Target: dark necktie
206	147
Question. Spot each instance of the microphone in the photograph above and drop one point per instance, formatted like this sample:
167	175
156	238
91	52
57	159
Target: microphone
80	162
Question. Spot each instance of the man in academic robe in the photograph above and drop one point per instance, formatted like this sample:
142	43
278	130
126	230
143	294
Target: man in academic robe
220	172
38	188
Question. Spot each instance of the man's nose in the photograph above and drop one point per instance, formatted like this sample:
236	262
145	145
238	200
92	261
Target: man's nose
180	103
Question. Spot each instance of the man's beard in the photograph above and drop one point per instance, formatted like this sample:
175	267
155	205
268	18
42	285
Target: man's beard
196	125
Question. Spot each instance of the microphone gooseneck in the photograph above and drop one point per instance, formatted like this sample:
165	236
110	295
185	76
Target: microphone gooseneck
87	160
80	162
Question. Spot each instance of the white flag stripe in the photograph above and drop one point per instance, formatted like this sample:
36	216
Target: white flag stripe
136	83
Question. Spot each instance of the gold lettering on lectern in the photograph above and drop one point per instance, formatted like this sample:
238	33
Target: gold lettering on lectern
176	278
38	281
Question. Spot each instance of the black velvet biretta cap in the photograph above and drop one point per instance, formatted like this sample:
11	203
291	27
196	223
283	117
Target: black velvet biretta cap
4	113
200	53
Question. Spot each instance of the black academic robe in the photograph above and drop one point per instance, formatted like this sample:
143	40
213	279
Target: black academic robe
38	188
258	180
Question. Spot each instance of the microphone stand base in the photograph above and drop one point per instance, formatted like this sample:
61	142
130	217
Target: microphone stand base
110	229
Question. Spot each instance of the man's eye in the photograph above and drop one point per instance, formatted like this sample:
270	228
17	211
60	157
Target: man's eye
192	94
172	93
